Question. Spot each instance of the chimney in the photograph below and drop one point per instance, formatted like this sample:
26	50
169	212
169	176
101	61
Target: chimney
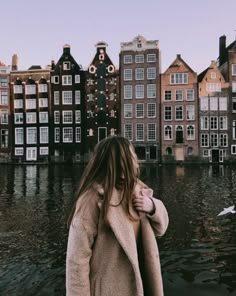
66	49
52	64
222	49
14	65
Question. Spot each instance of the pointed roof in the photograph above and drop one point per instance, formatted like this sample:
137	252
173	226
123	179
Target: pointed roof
178	62
2	64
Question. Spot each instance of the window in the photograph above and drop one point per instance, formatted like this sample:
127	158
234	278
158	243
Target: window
214	140
151	131
3	98
66	65
3	82
66	80
31	104
128	92
139	91
112	132
234	105
167	132
56	97
77	116
127	74
56	134
139	58
179	95
18	104
168	95
139	132
19	151
128	131
168	113
4	116
213	87
213	75
67	97
43	150
18	118
151	58
4	138
43	88
67	135
190	112
179	112
139	74
17	89
179	78
128	110
233	149
204	140
77	78
43	117
43	134
204	104
214	122
43	103
78	134
234	69
190	94
151	91
223	140
31	135
139	110
56	116
19	138
223	103
190	132
67	117
234	86
30	89
31	117
128	59
234	130
151	110
223	122
77	97
151	73
56	79
204	123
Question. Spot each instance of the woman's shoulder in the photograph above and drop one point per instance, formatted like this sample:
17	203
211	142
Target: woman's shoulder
90	200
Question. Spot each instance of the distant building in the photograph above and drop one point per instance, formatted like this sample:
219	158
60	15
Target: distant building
30	113
140	96
5	132
179	112
213	115
67	109
102	98
227	66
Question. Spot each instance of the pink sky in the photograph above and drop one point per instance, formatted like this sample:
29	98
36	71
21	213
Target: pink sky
37	31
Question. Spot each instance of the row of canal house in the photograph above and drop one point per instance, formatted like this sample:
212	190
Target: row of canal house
59	113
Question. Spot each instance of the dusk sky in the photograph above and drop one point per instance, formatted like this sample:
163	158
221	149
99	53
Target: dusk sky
37	30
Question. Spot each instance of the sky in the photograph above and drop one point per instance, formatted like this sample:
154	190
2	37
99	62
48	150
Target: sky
37	30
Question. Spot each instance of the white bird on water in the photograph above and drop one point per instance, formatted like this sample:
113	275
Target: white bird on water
227	211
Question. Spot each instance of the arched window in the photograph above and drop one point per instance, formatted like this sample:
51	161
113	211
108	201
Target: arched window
179	134
190	132
168	132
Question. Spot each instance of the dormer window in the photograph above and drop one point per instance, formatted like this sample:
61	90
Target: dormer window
139	45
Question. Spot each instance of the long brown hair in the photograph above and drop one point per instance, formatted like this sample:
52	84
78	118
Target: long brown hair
112	165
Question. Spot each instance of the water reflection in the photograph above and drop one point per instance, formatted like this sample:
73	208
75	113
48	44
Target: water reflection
198	253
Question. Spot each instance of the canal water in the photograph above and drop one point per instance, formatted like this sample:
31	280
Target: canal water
198	252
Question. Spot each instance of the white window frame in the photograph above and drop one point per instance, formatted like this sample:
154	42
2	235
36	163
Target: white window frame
128	74
139	74
139	91
66	79
128	92
139	137
128	131
56	97
77	97
67	135
31	117
31	138
151	133
19	136
128	110
151	58
151	110
43	117
128	59
77	116
67	117
139	113
78	134
67	98
57	117
151	91
44	136
56	135
18	118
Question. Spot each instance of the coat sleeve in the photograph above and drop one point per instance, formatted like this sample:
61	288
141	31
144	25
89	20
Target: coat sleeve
82	234
160	219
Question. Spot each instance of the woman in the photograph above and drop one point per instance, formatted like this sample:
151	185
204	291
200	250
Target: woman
112	249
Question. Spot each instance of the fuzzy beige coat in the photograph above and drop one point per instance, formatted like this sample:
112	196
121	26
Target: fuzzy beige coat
102	257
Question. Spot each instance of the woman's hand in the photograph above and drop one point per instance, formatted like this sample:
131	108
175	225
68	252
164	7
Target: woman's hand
142	202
